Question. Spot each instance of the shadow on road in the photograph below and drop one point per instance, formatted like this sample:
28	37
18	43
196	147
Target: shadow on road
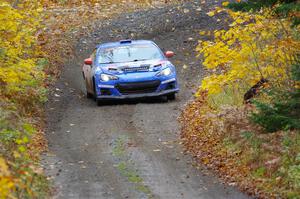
153	100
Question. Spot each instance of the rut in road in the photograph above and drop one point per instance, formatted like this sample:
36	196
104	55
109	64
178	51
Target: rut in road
130	149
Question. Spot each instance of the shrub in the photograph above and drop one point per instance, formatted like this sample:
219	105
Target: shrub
22	90
216	126
283	110
255	47
282	8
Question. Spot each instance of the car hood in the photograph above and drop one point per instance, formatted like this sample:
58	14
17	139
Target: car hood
132	67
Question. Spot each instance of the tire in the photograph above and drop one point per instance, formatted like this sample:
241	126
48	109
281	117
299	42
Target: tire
99	102
88	94
164	98
171	96
95	92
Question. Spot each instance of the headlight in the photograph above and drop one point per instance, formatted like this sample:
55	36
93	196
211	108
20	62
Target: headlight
106	77
165	72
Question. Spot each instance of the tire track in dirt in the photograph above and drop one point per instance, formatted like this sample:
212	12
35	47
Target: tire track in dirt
81	135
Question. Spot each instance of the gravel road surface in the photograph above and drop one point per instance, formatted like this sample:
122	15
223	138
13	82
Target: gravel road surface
130	149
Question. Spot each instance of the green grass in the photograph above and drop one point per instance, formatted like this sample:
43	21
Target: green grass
119	148
127	169
229	96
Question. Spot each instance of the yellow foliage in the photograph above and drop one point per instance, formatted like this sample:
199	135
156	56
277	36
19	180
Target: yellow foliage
19	53
21	81
225	3
6	183
254	47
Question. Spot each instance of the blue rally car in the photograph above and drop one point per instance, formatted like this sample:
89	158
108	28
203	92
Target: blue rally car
129	69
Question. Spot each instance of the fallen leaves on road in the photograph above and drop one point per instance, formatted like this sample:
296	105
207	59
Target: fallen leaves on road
67	21
225	141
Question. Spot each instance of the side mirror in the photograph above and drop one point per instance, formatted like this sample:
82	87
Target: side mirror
169	54
88	61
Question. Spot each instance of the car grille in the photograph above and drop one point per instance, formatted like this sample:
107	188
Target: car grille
138	87
142	68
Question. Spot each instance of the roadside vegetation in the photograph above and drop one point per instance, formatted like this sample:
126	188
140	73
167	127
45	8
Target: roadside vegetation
21	95
36	37
253	144
244	122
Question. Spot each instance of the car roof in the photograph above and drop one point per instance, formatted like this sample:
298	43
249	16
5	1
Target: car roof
123	42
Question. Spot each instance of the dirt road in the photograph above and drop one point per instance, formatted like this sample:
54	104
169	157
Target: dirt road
130	149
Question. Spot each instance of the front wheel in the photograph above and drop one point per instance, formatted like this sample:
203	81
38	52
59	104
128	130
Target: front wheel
99	102
88	94
171	96
95	91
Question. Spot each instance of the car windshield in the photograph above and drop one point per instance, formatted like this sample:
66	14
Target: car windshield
129	53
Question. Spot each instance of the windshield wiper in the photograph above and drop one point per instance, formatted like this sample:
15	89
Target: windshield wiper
136	60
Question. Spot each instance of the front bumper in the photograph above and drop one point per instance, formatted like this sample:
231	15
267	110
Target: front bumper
139	89
140	95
